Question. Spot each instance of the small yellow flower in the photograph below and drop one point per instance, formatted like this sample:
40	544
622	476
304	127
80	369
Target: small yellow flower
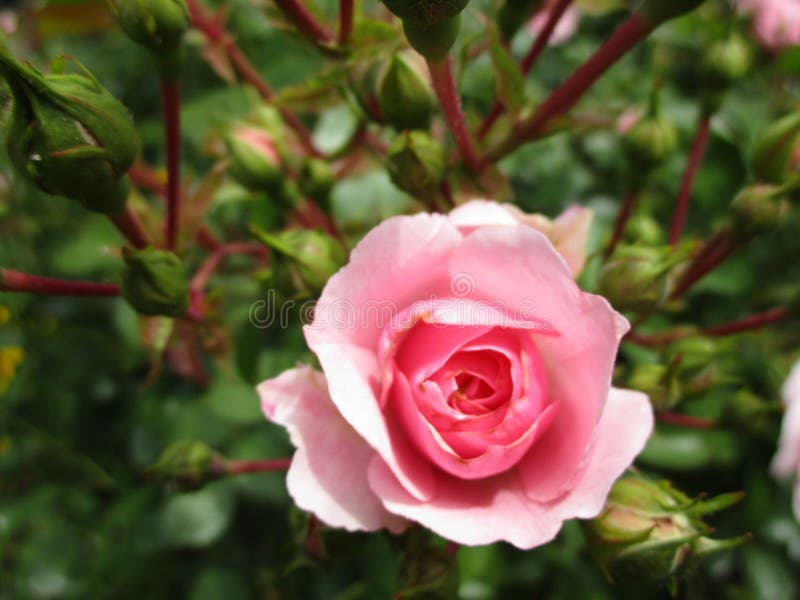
10	358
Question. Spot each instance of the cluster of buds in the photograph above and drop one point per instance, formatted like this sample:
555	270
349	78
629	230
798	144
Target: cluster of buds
651	532
69	136
776	155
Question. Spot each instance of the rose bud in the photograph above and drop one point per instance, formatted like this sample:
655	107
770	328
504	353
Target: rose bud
698	366
154	282
748	412
69	136
777	152
433	41
186	462
643	229
637	278
659	382
651	533
316	180
416	164
426	12
759	209
255	160
158	25
314	254
405	97
726	61
656	12
651	140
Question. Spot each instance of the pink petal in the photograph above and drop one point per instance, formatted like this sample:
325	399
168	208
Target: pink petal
570	235
498	509
786	462
579	361
479	213
328	474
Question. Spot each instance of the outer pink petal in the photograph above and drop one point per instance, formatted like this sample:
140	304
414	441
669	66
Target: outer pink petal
328	475
477	213
570	235
497	509
786	462
579	361
621	435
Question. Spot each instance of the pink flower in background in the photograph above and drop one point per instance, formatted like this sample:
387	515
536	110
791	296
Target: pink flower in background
466	383
565	28
787	460
776	23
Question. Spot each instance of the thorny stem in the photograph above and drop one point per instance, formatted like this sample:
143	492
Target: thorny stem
305	22
15	281
445	87
717	250
144	176
768	317
346	9
632	31
553	18
171	98
239	467
623	217
685	194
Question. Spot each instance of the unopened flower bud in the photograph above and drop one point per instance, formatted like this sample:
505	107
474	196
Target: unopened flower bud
69	136
777	152
643	229
158	25
696	358
189	463
316	180
425	12
417	164
255	161
759	209
726	61
656	12
747	411
638	277
650	141
650	532
154	282
433	41
314	254
406	99
659	382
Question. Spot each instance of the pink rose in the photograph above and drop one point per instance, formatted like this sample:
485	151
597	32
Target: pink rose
466	386
787	460
776	23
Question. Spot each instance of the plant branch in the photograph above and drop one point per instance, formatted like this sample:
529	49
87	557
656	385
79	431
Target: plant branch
346	10
215	33
768	317
686	421
128	224
445	87
171	99
529	60
304	21
239	467
623	217
630	33
685	194
15	281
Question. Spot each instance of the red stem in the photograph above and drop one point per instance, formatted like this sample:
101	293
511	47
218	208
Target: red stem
529	60
216	34
171	97
685	194
684	421
238	467
143	176
632	31
622	219
305	22
445	86
129	226
704	264
345	20
14	281
768	317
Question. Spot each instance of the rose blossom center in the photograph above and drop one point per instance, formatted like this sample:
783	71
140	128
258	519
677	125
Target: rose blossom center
472	399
